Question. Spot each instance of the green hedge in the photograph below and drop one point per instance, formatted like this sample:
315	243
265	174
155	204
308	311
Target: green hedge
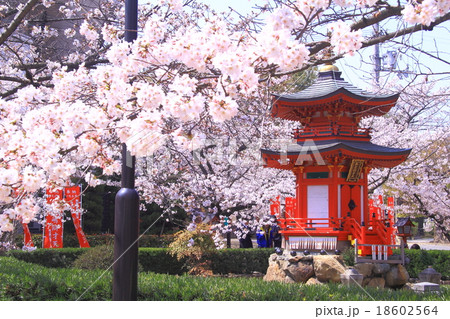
71	240
241	261
23	281
53	258
20	280
236	261
421	259
158	260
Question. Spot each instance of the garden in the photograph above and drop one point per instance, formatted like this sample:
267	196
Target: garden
236	275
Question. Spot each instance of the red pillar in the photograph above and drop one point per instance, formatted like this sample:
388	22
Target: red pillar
300	193
333	192
365	204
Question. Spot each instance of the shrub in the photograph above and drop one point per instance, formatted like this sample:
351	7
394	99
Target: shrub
195	247
241	261
156	241
348	256
441	262
54	258
100	257
421	259
71	240
158	260
151	259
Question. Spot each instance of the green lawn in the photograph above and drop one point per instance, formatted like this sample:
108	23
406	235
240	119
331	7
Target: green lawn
25	281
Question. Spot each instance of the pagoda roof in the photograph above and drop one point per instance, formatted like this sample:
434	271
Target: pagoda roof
329	87
383	156
330	83
364	147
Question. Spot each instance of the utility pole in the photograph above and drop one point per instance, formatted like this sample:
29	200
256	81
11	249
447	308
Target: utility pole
387	62
377	57
126	220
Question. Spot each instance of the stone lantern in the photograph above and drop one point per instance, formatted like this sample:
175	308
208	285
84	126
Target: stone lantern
404	228
430	275
352	277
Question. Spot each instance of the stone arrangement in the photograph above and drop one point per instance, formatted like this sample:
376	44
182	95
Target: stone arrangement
383	275
429	280
430	275
317	269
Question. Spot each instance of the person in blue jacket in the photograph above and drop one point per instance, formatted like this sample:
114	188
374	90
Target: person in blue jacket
264	236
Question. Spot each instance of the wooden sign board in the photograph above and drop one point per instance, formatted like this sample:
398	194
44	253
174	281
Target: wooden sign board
355	170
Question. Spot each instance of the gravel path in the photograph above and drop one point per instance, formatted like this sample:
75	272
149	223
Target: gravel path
427	244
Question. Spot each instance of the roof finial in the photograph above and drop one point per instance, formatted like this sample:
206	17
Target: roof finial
329	66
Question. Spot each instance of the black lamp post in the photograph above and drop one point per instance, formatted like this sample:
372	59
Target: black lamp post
126	221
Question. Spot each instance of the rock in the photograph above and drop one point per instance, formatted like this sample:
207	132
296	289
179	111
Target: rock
408	286
273	258
285	268
364	269
397	276
300	271
430	275
300	258
274	272
288	280
426	287
328	268
313	281
380	269
377	282
366	280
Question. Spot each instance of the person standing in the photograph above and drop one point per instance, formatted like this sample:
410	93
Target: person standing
246	239
276	237
264	236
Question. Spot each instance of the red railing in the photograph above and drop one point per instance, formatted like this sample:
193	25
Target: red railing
352	226
332	130
378	253
347	225
382	231
289	223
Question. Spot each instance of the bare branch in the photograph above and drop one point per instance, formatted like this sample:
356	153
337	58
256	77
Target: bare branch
17	20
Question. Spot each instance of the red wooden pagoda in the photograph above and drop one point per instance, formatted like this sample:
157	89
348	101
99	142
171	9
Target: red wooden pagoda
331	159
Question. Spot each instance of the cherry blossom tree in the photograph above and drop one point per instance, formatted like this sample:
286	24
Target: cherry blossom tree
192	74
218	172
421	122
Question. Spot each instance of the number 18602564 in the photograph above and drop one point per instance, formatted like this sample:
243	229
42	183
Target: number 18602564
407	310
